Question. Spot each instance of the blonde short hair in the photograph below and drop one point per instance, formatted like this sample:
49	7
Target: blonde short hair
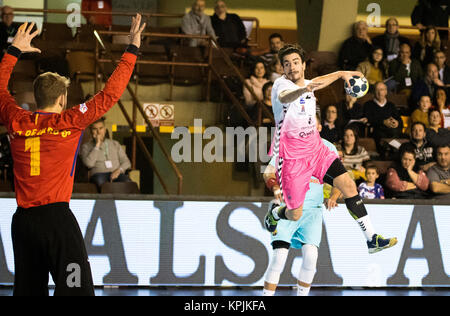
48	87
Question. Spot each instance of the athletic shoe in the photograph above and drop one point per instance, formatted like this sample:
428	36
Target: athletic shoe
378	243
270	223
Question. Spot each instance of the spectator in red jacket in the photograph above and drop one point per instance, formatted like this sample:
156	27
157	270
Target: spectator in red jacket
102	6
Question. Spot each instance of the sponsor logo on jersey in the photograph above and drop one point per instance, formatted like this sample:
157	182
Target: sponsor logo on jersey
83	108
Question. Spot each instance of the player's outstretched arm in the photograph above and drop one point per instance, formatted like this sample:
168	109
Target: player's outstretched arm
85	114
21	44
325	81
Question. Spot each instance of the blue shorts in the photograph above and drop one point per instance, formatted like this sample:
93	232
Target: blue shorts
308	230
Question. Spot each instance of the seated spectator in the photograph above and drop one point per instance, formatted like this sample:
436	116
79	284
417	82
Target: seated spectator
228	27
355	49
423	149
441	104
437	136
440	59
331	127
196	22
353	155
425	49
421	114
257	80
405	71
353	114
371	189
104	6
276	69
406	180
439	174
426	86
8	29
267	103
431	12
6	160
275	43
105	158
391	40
383	116
375	69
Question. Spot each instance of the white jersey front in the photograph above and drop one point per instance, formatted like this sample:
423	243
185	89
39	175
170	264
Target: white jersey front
297	136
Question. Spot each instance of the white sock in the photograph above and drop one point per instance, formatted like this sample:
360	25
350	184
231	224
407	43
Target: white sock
366	226
268	293
302	291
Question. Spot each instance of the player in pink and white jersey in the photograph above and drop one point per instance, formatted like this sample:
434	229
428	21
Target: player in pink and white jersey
301	152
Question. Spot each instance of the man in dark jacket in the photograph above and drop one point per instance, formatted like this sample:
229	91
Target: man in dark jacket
228	27
356	48
8	29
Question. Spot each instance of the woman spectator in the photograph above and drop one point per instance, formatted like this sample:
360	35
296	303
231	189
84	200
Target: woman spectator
267	103
441	104
391	40
257	80
425	48
356	48
353	155
276	69
330	125
406	180
375	68
436	136
353	114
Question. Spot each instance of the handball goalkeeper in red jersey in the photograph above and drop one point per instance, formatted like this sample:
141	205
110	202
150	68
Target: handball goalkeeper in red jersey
44	144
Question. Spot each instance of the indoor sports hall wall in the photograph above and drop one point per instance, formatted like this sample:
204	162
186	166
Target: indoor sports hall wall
144	242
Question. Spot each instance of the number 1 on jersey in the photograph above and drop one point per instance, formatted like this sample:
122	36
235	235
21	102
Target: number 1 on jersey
33	145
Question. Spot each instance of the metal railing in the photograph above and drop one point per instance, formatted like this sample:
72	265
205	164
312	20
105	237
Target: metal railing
253	41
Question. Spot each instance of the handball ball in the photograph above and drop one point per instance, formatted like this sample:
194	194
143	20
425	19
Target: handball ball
358	87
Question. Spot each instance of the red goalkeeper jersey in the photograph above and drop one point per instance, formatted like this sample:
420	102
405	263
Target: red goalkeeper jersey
45	145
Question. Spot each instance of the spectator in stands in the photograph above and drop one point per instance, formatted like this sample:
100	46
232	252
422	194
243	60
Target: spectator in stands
439	174
353	155
423	150
406	71
406	180
103	6
426	86
267	102
105	158
353	114
371	189
196	22
440	59
8	28
421	114
375	68
6	160
331	127
276	42
383	116
425	49
276	69
257	80
436	136
443	106
356	48
431	12
391	40
440	103
228	27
